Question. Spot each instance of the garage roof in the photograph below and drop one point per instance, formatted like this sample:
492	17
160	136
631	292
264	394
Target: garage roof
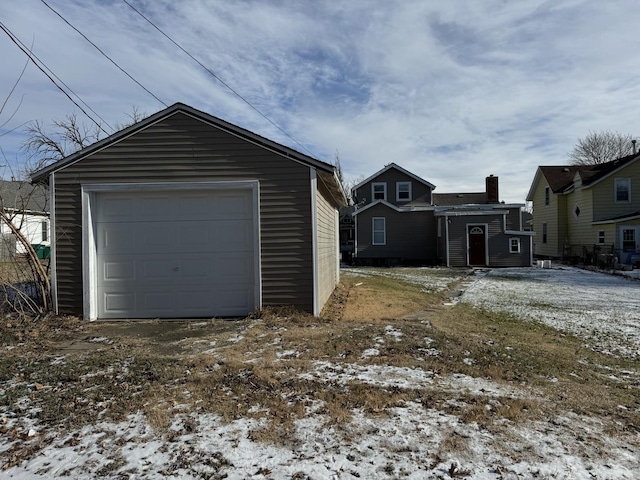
326	172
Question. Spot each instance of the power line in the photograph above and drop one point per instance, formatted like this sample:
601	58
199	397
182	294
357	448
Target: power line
28	53
215	76
30	50
103	53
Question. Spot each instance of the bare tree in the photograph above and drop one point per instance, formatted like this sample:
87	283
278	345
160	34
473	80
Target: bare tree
24	283
45	145
347	183
66	137
601	147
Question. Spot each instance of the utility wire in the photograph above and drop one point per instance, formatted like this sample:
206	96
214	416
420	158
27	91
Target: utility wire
215	76
28	53
103	53
30	50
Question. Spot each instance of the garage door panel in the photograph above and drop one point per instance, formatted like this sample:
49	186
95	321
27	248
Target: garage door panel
118	270
114	208
196	259
210	269
119	302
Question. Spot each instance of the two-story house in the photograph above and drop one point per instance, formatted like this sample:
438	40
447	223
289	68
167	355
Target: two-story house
399	219
578	210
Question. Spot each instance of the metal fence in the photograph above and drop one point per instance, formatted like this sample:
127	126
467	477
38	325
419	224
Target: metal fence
603	256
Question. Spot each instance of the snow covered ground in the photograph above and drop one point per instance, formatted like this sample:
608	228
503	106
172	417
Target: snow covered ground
411	441
602	309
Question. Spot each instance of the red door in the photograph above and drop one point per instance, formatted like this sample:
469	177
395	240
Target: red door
476	235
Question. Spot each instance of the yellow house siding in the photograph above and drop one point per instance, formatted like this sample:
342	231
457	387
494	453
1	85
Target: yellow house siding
605	206
548	214
580	228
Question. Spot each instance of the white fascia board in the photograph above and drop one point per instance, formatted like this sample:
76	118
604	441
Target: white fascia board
613	172
617	220
400	169
411	208
470	213
52	243
534	184
373	204
314	240
520	232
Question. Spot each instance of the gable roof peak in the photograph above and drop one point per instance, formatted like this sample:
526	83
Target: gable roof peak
395	166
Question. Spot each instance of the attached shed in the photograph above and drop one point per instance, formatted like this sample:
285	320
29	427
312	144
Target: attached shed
483	236
184	215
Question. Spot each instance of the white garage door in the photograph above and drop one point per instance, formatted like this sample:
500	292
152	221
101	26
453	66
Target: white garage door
164	254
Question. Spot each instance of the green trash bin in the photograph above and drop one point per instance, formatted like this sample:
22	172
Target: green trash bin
42	251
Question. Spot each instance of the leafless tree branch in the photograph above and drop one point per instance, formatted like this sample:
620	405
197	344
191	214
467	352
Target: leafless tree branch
601	147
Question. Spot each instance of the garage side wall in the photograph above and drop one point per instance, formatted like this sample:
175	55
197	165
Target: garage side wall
328	272
181	148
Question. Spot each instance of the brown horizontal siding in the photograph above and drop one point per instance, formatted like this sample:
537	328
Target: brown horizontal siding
182	149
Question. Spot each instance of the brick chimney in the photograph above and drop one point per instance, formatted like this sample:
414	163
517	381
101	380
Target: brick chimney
492	189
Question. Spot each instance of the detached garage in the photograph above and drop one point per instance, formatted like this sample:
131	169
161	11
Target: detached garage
183	215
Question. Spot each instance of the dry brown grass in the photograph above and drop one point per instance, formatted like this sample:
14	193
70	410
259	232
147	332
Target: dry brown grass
255	368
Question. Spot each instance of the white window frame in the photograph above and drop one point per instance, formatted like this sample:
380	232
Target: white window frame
374	231
622	182
409	198
373	191
600	239
547	195
545	233
514	241
44	229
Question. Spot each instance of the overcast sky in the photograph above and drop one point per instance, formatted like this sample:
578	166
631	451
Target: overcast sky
450	90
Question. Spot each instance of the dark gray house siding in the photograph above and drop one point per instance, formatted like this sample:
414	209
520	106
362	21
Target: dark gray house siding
498	242
409	235
181	147
421	193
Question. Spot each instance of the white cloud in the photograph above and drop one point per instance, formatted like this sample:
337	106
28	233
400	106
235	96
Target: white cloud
451	91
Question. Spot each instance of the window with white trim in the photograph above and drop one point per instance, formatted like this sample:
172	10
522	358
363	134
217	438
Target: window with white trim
379	231
403	191
514	245
378	191
601	237
544	233
44	225
623	190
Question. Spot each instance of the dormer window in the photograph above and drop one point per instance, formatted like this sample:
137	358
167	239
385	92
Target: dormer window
379	191
403	191
623	190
